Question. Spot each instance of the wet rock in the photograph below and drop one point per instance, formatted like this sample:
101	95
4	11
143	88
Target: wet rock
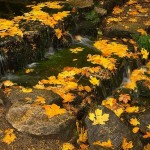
114	129
32	119
144	119
17	94
127	22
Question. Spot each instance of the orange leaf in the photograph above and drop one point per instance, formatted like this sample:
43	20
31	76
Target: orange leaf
126	145
9	136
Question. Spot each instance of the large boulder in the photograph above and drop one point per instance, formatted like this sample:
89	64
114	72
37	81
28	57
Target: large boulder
113	129
32	119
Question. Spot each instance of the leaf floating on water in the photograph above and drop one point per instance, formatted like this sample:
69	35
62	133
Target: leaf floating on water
9	136
98	117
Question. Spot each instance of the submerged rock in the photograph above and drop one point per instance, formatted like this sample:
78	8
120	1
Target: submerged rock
32	119
114	129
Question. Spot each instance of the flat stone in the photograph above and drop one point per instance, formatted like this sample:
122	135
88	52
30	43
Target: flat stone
16	94
114	129
133	17
32	119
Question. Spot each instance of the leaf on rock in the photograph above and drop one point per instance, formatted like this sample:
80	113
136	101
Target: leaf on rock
8	83
68	146
135	129
127	145
133	109
134	121
94	81
9	136
53	110
26	90
40	100
98	117
147	135
104	144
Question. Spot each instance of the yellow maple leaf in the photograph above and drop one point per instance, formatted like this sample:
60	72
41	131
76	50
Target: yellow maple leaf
26	90
94	81
148	126
68	97
53	110
98	117
144	53
135	129
119	111
104	144
58	33
134	121
126	145
132	109
9	136
68	146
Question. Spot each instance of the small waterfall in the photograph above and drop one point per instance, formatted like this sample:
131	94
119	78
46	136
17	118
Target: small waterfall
3	66
126	74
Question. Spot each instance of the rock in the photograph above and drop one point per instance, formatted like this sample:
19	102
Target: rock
32	119
17	94
101	11
114	129
128	21
144	119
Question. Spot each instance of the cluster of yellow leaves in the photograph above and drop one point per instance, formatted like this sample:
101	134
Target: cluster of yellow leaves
9	28
107	63
104	144
68	146
111	48
9	136
127	145
52	5
53	110
98	117
76	50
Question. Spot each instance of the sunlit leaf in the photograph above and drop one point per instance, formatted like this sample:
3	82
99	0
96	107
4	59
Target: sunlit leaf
134	121
94	81
26	90
68	146
126	145
135	129
9	136
98	117
53	110
104	144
